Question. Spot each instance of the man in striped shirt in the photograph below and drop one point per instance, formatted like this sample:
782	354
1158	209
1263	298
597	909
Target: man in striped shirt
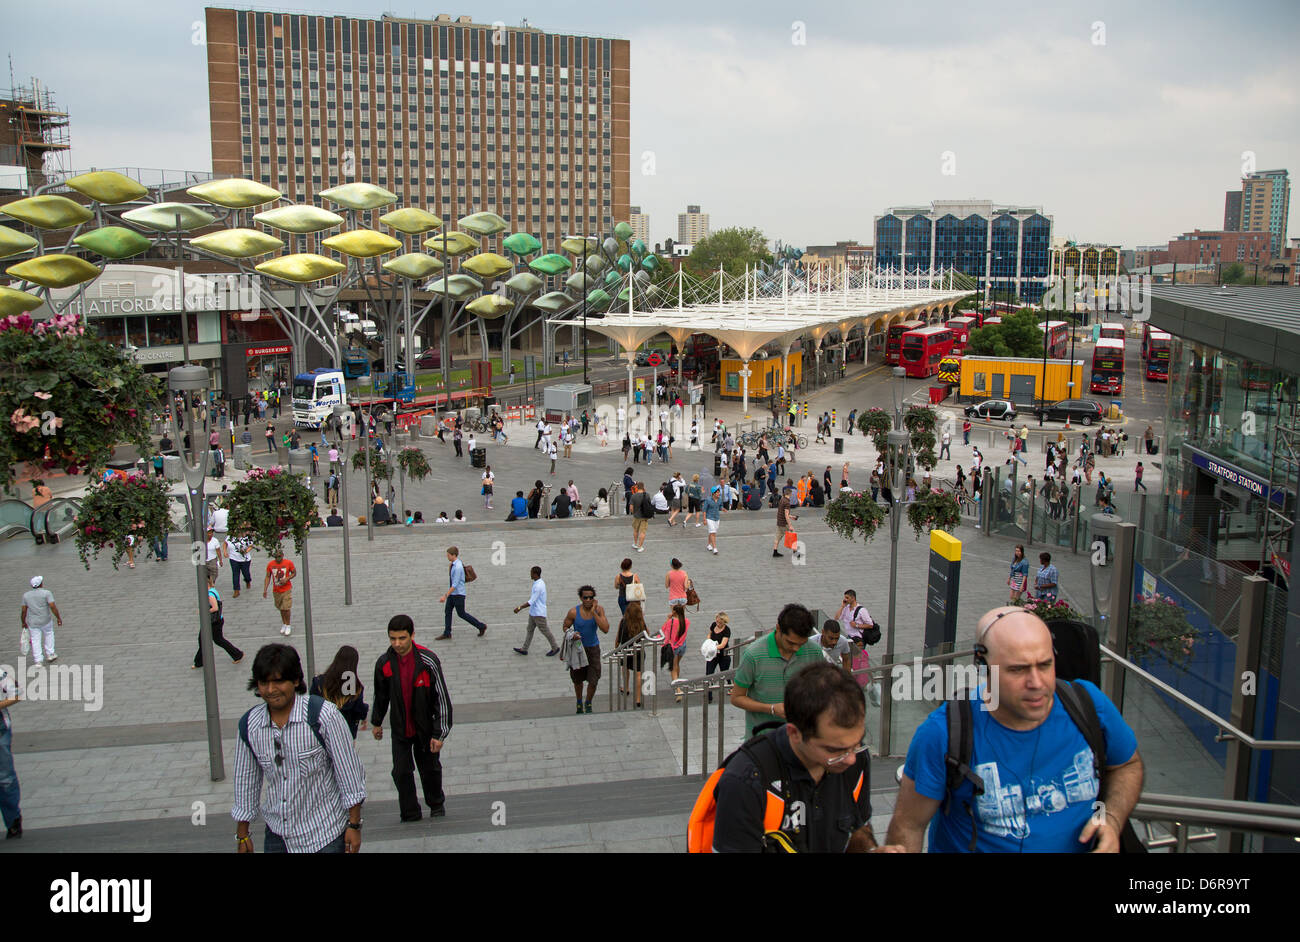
315	783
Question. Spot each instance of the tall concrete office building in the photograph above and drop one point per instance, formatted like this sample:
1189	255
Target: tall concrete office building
452	116
692	225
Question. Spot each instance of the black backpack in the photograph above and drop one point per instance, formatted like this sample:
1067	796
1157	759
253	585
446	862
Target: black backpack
1081	710
1077	650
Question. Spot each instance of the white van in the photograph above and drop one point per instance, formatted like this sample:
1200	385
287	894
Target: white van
369	330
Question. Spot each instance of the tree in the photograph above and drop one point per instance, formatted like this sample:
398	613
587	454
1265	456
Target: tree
733	249
1017	336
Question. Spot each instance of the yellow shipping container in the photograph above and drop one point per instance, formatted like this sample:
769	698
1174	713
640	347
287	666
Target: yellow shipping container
764	375
1018	379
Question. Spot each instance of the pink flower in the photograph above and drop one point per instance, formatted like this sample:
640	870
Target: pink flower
23	422
43	395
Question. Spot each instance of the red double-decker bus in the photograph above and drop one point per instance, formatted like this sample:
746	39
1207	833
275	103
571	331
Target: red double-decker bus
961	328
1156	345
1058	337
894	339
1108	366
1112	330
924	348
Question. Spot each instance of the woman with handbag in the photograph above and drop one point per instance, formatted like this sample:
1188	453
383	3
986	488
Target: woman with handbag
674	631
678	583
856	625
630	626
720	635
624	581
1019	577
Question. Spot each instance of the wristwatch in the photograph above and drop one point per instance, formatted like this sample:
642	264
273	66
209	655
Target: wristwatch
357	825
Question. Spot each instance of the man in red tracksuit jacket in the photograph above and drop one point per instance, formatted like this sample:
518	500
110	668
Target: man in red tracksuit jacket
409	678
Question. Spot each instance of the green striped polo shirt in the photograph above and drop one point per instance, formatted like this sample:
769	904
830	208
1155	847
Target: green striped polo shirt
763	672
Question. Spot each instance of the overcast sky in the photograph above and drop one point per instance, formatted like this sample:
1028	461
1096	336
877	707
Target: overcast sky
1126	122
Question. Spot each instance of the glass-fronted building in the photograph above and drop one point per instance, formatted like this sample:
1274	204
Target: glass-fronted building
1005	247
1231	473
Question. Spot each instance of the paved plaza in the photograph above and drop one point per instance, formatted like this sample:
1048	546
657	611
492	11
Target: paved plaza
610	781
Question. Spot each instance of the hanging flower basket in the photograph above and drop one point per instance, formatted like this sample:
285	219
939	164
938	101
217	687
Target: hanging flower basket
381	469
920	422
270	505
135	507
876	423
853	515
413	463
1158	624
920	418
67	399
934	511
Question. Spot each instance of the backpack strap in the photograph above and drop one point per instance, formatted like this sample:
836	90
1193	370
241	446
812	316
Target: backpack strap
767	759
314	705
1083	712
243	732
961	746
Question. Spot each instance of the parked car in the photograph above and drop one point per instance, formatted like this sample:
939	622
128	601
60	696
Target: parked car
992	409
430	359
1080	411
643	357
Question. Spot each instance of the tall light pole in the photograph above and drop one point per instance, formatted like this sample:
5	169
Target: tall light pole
899	445
343	421
300	460
188	380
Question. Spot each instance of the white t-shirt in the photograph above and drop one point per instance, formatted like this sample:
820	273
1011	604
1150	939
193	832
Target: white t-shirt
219	518
833	654
239	549
214	549
551	451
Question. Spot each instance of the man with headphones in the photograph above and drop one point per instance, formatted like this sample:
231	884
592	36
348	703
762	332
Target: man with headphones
1027	781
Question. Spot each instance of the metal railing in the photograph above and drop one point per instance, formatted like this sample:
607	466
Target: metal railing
626	657
1217	817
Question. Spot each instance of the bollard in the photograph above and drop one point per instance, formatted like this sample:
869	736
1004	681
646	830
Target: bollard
704	732
685	741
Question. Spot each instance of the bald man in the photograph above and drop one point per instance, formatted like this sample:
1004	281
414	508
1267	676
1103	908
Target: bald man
1039	785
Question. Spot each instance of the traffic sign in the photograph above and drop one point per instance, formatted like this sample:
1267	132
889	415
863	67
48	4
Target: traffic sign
654	359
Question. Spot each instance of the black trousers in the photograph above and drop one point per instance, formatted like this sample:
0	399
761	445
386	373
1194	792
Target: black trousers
218	641
409	755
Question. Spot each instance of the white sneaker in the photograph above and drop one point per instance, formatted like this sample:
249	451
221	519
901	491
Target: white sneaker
698	524
286	630
640	549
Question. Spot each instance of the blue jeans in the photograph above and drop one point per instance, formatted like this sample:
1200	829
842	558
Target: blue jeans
457	603
160	546
236	568
8	780
273	843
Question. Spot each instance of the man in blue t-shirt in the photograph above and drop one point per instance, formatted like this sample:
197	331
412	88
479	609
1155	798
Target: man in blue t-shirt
1040	788
518	507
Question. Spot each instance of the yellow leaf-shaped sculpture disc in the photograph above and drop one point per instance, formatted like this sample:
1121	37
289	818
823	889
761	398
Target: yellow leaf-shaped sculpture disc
54	271
13	242
412	221
299	219
163	217
47	212
487	265
15	302
302	268
414	265
234	194
490	306
362	243
359	196
238	243
108	187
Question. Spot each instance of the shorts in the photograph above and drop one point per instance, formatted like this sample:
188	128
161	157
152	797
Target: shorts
214	567
680	601
693	504
783	528
713	525
680	650
639	527
283	600
590	673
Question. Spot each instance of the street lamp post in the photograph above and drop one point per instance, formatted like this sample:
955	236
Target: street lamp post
343	421
187	380
300	460
899	445
1042	390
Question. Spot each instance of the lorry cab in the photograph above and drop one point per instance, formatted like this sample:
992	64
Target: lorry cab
315	395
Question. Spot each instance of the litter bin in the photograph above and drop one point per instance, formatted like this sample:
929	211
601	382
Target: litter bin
839	446
173	470
428	425
1116	409
478	458
243	457
282	456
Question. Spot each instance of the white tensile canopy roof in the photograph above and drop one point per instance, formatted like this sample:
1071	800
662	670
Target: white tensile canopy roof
748	326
